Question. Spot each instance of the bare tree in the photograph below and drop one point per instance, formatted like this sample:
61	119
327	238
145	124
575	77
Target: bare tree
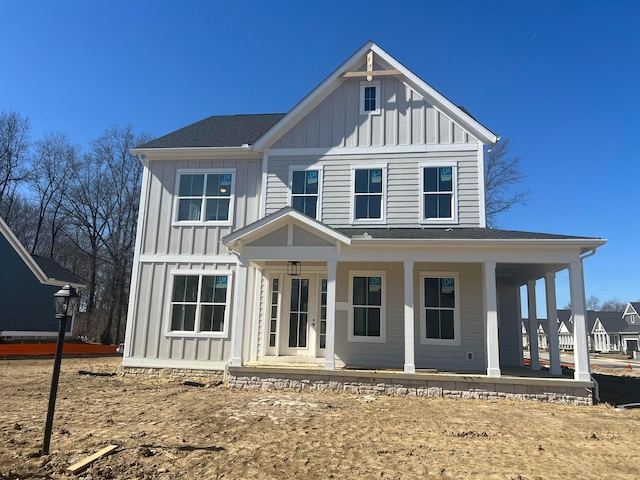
54	160
103	207
123	175
14	151
503	173
86	209
591	303
613	305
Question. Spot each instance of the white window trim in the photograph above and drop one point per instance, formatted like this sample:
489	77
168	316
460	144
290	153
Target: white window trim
200	171
456	312
454	207
305	168
267	348
195	333
383	205
383	308
363	85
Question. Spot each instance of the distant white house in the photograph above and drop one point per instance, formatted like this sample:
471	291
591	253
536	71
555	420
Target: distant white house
608	331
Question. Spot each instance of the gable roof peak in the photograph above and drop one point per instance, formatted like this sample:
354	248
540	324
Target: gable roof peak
355	61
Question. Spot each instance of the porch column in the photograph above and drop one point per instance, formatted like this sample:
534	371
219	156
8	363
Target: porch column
533	325
552	318
409	327
330	342
580	349
239	302
491	318
519	319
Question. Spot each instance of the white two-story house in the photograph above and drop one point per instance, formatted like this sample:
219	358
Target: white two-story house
348	232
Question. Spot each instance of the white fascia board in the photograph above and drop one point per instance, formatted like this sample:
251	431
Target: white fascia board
439	100
244	151
311	100
24	255
31	263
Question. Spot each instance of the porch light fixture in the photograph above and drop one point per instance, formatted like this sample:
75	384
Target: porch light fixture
66	302
293	268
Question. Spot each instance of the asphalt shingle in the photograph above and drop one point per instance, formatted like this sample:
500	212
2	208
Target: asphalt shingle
218	131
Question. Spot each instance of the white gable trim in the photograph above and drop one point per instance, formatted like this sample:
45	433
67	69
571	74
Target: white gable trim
272	222
629	310
24	255
413	81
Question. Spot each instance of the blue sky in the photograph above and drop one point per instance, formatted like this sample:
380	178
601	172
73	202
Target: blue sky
560	79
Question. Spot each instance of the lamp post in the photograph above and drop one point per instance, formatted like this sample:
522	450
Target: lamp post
66	301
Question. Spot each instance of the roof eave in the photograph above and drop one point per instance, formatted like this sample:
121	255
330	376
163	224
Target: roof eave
244	151
586	244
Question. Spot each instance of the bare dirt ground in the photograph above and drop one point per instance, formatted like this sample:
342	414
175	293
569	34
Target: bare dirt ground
167	430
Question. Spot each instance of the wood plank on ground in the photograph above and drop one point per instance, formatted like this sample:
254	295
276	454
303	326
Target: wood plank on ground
82	464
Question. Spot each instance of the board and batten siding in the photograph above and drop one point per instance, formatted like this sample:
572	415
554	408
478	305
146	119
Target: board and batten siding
403	184
405	118
150	339
391	353
161	236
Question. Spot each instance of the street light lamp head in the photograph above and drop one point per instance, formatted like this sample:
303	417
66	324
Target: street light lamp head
66	301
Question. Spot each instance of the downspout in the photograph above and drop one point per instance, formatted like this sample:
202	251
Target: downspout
596	387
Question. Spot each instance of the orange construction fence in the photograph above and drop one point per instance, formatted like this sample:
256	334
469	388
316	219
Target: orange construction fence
38	349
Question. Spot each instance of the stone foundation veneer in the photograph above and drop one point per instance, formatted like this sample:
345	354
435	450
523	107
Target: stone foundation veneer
172	373
370	382
362	382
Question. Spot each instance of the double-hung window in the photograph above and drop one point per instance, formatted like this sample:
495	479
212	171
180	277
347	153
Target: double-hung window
368	194
205	197
199	303
370	98
367	316
305	187
439	204
439	315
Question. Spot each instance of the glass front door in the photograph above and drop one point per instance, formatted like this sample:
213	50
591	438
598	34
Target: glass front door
299	314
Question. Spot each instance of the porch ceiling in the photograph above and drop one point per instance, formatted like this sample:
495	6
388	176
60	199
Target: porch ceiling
519	273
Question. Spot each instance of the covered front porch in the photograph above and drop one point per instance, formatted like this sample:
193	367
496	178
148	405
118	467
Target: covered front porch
363	302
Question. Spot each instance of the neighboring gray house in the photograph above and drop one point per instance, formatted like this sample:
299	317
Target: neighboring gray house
349	231
27	285
608	331
630	334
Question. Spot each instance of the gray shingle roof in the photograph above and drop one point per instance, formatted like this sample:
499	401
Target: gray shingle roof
636	306
218	131
55	271
455	234
633	328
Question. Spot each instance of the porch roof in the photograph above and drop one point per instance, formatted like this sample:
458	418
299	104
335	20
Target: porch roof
470	235
456	234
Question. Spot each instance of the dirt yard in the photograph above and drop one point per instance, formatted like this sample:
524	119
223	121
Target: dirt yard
168	430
